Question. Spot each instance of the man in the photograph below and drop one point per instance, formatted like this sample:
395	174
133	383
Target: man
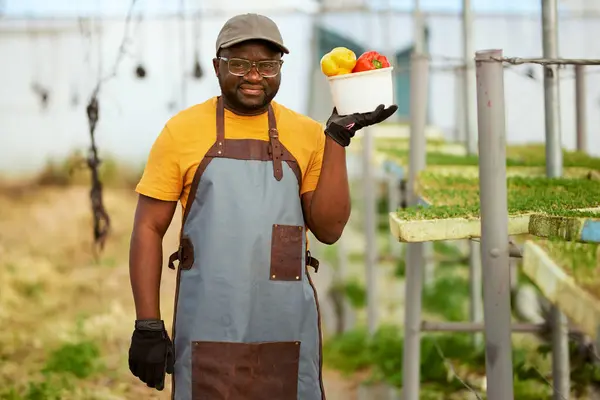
252	176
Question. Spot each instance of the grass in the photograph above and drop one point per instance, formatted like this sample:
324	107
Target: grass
51	388
69	314
379	358
458	197
58	379
80	359
73	170
580	260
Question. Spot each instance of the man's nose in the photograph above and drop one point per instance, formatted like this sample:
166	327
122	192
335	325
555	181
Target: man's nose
253	75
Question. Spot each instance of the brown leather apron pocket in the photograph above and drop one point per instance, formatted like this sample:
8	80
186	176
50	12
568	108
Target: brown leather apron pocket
286	253
245	371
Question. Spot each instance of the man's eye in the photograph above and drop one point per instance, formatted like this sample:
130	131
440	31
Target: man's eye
270	65
238	65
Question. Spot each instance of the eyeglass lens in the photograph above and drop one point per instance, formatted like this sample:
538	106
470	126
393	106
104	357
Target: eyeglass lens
241	67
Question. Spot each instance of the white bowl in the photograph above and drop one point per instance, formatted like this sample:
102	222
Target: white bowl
361	92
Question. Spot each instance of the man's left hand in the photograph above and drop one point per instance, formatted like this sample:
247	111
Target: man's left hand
343	128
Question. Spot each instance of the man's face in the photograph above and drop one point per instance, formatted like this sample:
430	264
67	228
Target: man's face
251	92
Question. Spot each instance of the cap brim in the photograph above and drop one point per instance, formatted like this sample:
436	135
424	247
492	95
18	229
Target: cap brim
241	40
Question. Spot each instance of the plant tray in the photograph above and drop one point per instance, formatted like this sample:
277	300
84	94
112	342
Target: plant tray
472	171
429	230
575	229
451	209
567	274
432	146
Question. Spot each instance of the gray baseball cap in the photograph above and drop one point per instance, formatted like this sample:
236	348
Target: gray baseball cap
250	26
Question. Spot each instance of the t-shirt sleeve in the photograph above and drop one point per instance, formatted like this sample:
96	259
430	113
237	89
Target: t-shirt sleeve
162	177
311	178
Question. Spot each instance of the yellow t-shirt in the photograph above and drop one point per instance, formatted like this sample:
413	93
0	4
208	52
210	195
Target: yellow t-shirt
185	139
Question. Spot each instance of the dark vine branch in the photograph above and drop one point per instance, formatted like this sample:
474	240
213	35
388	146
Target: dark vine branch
100	215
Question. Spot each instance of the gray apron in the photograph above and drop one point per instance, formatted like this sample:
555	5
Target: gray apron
246	323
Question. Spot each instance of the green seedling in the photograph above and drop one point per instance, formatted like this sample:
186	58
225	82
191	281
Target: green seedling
580	260
458	197
519	155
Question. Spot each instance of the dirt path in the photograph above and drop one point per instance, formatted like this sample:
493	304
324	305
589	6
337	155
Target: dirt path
52	292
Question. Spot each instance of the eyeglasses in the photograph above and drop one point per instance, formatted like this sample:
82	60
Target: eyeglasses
240	67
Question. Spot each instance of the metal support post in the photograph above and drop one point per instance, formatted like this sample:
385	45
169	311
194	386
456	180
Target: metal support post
554	166
429	267
459	105
494	224
370	228
598	343
419	80
551	89
418	27
470	127
476	304
470	122
393	189
561	372
580	108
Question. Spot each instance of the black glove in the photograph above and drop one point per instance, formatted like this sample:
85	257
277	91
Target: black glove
151	353
343	128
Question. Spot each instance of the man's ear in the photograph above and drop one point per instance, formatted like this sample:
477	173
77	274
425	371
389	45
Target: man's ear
216	66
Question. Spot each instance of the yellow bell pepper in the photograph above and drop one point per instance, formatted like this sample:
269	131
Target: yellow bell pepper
338	61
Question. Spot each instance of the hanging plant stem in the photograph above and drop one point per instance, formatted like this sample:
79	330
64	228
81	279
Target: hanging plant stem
101	217
99	213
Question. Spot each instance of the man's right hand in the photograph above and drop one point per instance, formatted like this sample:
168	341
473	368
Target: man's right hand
151	353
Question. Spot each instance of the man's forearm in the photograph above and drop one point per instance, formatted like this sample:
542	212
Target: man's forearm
330	206
145	266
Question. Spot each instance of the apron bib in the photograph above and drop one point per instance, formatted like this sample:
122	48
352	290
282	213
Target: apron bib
246	323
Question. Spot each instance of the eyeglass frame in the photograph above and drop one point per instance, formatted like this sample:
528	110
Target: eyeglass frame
252	65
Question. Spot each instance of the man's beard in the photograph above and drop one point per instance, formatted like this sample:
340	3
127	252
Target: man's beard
236	99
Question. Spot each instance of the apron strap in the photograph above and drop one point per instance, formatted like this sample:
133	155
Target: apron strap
311	261
185	256
220	126
275	149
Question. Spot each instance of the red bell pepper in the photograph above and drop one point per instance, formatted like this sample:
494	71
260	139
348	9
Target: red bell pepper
370	60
